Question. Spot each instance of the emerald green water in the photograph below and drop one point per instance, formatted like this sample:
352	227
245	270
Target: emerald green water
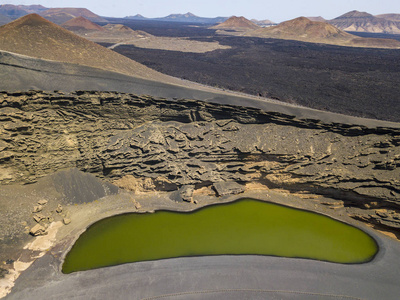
243	227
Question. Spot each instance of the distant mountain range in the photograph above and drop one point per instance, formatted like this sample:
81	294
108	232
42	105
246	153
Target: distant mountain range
17	11
188	18
350	21
365	22
61	15
263	23
55	15
303	29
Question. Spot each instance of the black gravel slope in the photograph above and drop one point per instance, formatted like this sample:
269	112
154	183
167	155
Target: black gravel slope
357	81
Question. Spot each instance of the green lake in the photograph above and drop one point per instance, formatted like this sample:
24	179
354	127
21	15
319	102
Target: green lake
245	226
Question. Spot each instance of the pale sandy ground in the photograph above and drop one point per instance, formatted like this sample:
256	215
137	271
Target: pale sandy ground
37	248
172	44
61	237
148	41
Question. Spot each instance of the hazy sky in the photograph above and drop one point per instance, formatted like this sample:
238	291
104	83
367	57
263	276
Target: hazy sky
278	10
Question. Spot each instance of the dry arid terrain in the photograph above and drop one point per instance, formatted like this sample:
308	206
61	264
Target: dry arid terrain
347	80
236	23
365	22
25	34
119	34
303	29
74	149
88	132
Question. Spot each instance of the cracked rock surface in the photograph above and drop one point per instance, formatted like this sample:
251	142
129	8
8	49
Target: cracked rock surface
119	136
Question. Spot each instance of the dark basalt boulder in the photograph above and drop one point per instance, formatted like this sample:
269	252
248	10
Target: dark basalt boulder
228	188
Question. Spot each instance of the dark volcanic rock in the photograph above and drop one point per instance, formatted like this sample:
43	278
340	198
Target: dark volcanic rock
185	193
3	272
187	142
228	188
349	80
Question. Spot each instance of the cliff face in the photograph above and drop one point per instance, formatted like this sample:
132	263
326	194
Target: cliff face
175	143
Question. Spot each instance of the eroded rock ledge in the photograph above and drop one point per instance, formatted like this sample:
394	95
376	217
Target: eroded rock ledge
120	137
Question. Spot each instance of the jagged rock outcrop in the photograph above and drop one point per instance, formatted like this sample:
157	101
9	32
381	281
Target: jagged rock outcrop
228	188
187	142
185	193
38	230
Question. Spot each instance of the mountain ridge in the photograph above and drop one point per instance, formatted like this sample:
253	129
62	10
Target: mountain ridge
61	15
303	29
236	23
364	22
184	18
17	11
26	36
390	17
81	23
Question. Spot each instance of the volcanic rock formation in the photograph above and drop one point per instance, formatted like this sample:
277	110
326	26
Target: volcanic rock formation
186	18
316	19
136	17
390	17
365	22
303	29
61	15
120	28
17	11
35	36
236	23
175	143
81	24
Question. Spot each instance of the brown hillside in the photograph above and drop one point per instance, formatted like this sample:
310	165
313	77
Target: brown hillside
57	13
390	17
237	23
17	11
81	23
303	29
263	22
118	28
59	18
113	34
34	36
316	19
365	22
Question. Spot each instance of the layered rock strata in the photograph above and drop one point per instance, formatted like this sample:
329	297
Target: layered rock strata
186	142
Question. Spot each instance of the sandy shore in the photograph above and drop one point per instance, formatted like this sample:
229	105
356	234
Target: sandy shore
60	238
